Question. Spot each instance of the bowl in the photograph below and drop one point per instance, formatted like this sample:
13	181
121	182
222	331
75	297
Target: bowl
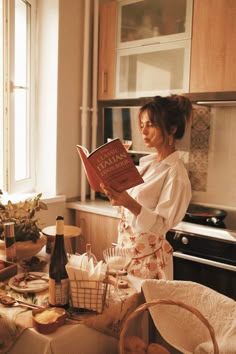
117	258
47	320
27	249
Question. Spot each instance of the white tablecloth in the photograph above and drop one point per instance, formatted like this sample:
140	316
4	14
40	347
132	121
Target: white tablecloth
68	339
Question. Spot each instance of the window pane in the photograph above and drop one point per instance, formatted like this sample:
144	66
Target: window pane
21	43
21	92
21	138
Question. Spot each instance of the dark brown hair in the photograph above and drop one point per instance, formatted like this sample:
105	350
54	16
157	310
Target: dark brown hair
169	112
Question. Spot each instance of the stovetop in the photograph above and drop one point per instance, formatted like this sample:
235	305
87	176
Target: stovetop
206	231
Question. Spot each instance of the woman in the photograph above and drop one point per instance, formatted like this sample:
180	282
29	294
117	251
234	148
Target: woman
150	209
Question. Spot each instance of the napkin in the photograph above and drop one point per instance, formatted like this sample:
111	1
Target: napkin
80	267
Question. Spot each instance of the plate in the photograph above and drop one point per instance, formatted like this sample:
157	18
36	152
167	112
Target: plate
29	282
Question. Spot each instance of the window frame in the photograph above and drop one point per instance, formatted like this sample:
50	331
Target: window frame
11	185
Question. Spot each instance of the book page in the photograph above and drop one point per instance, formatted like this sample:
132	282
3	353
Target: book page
93	178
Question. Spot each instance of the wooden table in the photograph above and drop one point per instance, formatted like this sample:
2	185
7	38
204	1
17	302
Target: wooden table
72	338
70	232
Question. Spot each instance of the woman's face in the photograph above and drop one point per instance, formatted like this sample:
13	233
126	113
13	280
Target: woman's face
151	134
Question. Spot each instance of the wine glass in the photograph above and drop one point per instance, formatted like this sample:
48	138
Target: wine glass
117	258
127	144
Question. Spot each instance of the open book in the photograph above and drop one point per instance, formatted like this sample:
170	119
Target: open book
110	164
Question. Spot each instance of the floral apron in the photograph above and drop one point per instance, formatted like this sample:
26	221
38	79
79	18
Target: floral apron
152	254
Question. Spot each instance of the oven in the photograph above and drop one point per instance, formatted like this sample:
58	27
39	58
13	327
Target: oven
208	258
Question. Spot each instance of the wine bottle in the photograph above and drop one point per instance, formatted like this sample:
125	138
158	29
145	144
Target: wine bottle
10	241
58	277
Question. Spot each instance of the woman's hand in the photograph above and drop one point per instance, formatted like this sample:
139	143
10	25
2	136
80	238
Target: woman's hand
121	199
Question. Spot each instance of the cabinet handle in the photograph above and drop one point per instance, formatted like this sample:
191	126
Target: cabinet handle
104	81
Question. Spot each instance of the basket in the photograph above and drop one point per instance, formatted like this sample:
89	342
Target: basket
88	294
146	305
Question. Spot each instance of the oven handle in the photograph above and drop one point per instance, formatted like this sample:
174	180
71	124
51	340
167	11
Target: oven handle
209	262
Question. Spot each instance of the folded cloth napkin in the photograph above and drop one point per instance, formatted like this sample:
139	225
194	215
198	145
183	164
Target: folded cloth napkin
181	328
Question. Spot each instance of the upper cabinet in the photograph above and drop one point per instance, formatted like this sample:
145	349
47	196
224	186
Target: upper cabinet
150	47
154	69
144	22
144	48
213	53
107	50
153	47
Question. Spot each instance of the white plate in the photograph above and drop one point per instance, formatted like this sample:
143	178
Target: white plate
33	285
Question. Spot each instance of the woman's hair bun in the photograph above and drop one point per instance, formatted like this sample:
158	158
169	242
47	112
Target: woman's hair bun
184	105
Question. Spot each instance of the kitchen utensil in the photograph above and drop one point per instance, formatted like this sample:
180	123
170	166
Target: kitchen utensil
8	300
204	215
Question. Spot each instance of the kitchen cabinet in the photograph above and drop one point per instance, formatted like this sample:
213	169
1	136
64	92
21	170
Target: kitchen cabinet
107	50
145	22
144	48
97	229
156	69
213	53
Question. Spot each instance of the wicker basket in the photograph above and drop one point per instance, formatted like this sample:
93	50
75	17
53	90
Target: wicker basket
146	305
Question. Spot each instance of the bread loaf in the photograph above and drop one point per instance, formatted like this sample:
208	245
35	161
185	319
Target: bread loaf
134	345
155	348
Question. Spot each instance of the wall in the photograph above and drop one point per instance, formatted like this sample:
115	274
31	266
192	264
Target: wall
70	73
48	14
59	92
59	95
58	207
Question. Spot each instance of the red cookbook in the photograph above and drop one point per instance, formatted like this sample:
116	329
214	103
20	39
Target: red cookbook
110	164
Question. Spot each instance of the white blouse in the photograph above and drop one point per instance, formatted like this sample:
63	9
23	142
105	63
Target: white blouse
164	196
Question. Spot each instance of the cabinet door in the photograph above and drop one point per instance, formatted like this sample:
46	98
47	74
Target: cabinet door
144	22
213	53
107	45
155	69
99	230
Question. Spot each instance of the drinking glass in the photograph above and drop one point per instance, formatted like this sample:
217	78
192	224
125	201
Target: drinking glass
117	258
127	144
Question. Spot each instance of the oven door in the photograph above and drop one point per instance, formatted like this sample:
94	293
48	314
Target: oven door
216	275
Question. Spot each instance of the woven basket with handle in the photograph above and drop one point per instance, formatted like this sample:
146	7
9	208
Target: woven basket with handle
146	305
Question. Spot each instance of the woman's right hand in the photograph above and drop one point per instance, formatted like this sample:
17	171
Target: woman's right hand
121	199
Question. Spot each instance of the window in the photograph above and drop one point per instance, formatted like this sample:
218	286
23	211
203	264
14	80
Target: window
17	85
